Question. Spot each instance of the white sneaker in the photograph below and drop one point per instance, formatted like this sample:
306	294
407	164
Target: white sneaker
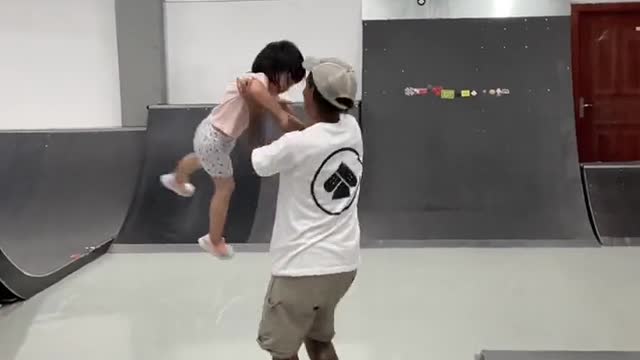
206	245
169	181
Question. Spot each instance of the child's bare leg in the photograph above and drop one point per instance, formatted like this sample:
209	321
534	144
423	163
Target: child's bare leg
178	181
218	212
187	166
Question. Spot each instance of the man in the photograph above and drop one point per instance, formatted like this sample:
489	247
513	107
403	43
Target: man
315	243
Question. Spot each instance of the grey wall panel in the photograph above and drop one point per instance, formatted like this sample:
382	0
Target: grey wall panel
476	168
141	56
454	9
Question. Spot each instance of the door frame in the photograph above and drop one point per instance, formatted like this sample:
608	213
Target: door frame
577	11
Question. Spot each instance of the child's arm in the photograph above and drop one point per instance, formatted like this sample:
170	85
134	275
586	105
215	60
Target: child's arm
293	124
257	93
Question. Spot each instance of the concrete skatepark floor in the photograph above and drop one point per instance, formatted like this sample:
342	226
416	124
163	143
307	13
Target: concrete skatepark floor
446	304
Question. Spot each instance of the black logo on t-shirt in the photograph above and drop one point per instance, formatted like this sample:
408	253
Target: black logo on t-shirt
341	182
336	183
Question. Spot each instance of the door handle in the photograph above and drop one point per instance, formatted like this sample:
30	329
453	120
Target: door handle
582	105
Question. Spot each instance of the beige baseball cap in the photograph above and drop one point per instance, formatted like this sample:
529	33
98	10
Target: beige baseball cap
333	78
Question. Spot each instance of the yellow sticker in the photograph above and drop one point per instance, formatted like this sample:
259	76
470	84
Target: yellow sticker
466	93
448	94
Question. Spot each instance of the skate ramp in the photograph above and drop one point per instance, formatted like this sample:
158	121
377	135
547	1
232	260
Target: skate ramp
613	196
64	197
158	216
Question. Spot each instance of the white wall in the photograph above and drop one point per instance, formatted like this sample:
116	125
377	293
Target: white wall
58	64
209	43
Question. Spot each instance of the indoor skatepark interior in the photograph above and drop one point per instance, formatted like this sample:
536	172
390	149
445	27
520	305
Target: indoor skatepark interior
495	226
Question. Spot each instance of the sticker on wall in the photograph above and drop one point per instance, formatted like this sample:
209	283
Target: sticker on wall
501	92
448	94
410	91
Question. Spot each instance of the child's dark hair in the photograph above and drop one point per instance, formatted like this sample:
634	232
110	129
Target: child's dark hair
280	57
324	106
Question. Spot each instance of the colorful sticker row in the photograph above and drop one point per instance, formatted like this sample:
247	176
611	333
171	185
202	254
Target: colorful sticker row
449	94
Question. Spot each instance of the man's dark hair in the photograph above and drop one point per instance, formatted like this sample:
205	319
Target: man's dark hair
280	57
324	106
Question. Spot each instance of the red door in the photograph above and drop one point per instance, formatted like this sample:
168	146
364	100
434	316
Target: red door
606	57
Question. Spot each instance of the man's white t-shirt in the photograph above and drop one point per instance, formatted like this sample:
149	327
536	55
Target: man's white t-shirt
316	230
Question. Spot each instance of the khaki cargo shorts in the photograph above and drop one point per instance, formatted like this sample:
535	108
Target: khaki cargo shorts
300	308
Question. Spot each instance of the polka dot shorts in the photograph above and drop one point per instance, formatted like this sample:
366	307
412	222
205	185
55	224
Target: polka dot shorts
213	148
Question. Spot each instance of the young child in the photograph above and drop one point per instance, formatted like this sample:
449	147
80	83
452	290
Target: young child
276	68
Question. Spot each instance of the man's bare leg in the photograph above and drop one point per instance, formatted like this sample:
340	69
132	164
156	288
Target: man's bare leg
318	350
293	358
